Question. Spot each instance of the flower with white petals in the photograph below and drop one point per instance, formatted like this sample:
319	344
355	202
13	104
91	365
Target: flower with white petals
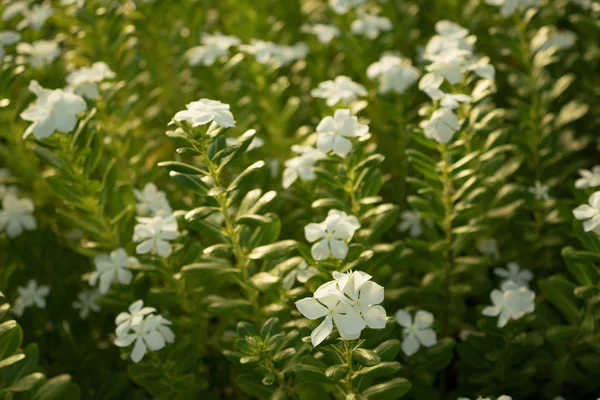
394	73
16	215
86	303
364	296
442	125
450	37
213	46
6	39
35	17
335	131
588	178
514	273
341	88
53	111
331	236
203	111
112	267
154	234
39	54
146	336
275	54
343	6
508	7
410	220
511	302
151	201
302	273
84	81
5	190
488	247
302	165
324	33
30	295
540	191
590	213
369	25
417	333
137	312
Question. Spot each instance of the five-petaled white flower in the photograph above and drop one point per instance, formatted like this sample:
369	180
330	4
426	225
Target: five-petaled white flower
30	295
7	38
488	247
341	88
151	201
324	33
590	213
213	46
203	111
369	25
331	235
84	81
441	126
416	333
16	215
112	267
410	220
154	234
514	273
54	111
335	131
588	178
365	296
39	54
302	273
394	73
302	165
86	303
540	191
137	312
147	336
511	302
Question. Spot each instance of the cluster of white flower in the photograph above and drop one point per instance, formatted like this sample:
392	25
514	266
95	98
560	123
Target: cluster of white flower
147	330
331	235
16	215
351	300
30	295
450	56
416	333
154	234
84	81
590	213
110	268
394	73
204	111
341	88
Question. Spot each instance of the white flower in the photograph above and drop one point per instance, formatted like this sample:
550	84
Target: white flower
112	267
155	234
13	9
5	190
35	17
508	7
334	131
588	178
441	126
203	111
162	326
482	68
416	333
451	38
364	296
324	33
272	53
488	247
146	337
589	212
341	88
301	273
511	302
288	54
84	81
213	46
16	215
30	295
540	191
151	201
39	54
302	165
137	312
86	303
331	235
410	220
343	6
449	65
369	25
54	111
394	73
7	38
514	273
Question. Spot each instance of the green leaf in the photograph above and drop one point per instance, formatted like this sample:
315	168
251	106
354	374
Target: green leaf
180	167
252	220
384	369
337	372
190	182
311	374
388	350
58	388
366	357
269	328
11	337
559	292
251	384
272	251
26	383
48	157
245	178
264	281
391	390
11	360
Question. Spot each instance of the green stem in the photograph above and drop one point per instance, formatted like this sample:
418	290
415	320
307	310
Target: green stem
448	201
348	355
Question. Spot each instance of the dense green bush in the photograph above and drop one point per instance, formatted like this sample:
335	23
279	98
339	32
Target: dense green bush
300	199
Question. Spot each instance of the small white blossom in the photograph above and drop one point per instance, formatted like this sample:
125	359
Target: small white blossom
416	333
5	190
514	273
588	178
451	38
590	213
301	273
488	247
331	235
84	81
35	17
151	333
137	312
30	295
394	73
324	33
112	267
341	88
343	6
53	111
410	220
85	303
369	25
6	39
335	131
213	46
203	111
302	165
155	234
540	191
151	201
441	126
16	215
508	7
271	53
39	54
511	302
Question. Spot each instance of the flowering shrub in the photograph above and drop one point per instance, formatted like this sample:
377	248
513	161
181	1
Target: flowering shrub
307	199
